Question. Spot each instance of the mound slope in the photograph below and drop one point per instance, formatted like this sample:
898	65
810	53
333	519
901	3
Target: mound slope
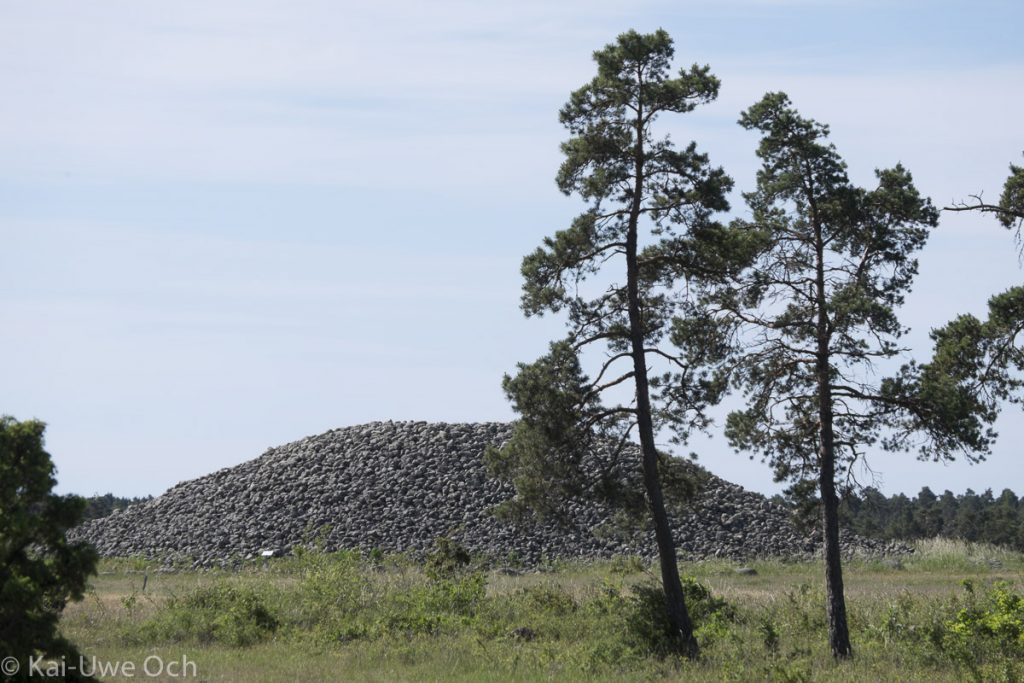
398	486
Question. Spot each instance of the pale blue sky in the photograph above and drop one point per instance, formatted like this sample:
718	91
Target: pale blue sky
225	225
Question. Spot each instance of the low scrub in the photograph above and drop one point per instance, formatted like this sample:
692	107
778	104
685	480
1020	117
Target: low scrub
342	597
600	621
219	613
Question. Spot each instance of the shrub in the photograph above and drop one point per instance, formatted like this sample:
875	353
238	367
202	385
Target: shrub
988	630
648	619
221	613
548	599
448	558
427	609
331	594
331	582
645	626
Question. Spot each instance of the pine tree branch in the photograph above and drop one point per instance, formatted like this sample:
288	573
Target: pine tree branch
597	417
595	389
608	363
979	205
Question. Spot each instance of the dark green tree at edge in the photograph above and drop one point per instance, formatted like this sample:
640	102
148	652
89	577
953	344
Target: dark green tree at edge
815	313
1010	209
618	274
992	346
39	569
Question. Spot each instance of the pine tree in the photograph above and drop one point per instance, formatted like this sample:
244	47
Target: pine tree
816	311
615	272
927	516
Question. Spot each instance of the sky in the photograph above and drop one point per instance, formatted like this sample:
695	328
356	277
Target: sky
226	225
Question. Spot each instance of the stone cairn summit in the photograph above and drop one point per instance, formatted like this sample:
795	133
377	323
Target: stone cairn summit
398	486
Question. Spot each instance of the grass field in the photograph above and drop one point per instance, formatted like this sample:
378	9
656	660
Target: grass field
952	612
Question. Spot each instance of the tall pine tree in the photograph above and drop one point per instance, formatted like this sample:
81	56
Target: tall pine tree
815	313
615	273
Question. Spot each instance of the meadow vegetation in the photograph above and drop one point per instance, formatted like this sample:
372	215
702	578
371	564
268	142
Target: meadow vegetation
953	611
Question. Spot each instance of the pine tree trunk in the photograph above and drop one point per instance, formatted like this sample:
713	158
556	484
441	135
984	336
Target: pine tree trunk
675	601
838	631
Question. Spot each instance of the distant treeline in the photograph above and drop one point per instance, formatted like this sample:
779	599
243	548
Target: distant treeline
101	506
981	517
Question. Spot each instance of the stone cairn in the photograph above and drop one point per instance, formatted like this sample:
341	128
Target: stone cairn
398	486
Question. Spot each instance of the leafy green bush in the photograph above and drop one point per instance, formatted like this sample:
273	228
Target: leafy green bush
331	593
987	631
220	613
703	605
641	610
648	619
330	582
342	596
427	609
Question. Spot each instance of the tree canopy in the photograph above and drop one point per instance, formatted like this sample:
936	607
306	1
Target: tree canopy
40	571
986	354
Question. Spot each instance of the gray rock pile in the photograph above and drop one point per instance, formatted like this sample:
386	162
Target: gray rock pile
398	486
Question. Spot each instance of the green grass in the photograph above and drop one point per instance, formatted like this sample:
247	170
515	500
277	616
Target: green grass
343	617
